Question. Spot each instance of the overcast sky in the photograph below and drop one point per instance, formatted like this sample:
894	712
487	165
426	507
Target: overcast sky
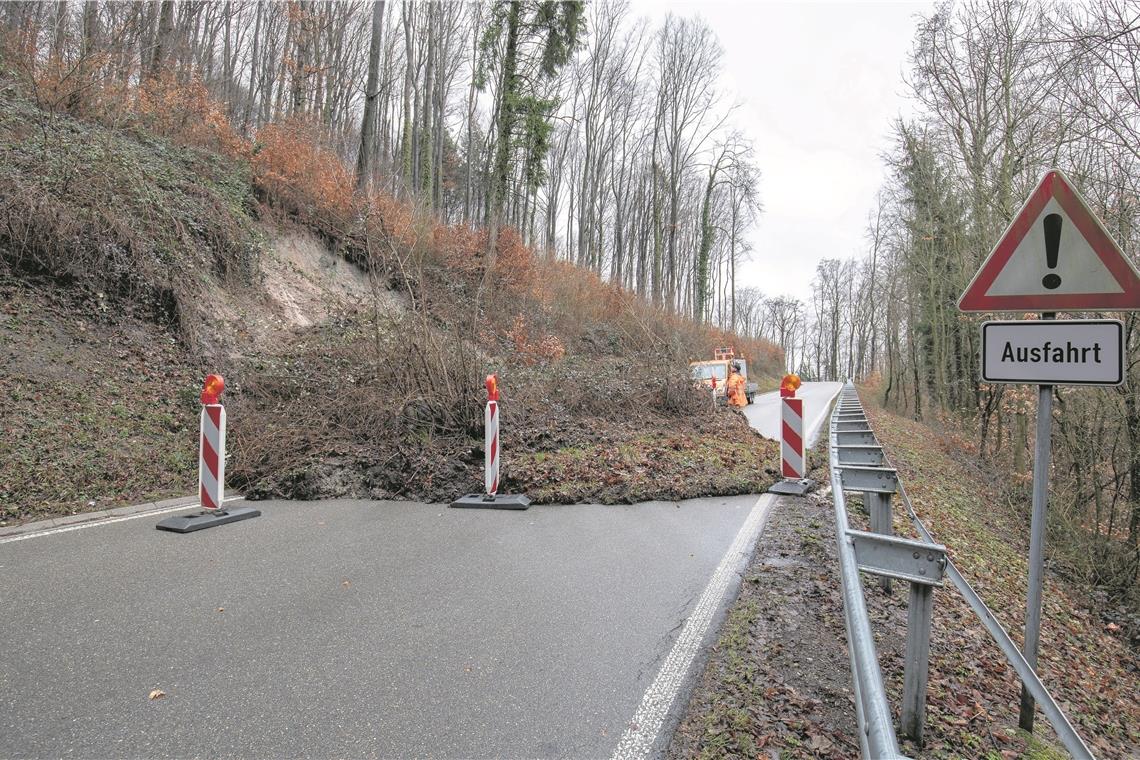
819	84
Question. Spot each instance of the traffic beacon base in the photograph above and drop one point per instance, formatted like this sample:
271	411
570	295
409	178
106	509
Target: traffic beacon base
792	455
800	487
207	519
491	498
492	501
211	468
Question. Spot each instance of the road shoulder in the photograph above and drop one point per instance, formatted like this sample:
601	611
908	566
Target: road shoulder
777	682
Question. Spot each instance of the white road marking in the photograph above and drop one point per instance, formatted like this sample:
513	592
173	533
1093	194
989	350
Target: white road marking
108	521
638	740
824	415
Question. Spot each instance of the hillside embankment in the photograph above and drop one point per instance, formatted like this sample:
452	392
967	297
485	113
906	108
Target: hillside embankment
778	680
354	332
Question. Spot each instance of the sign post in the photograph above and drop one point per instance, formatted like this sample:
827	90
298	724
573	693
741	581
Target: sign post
1042	454
1055	255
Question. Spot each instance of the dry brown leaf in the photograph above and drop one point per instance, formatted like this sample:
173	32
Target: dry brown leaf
346	583
156	694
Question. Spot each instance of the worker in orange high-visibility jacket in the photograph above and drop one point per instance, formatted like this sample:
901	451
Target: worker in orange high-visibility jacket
736	394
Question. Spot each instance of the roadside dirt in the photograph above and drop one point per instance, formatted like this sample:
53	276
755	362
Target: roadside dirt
100	409
777	684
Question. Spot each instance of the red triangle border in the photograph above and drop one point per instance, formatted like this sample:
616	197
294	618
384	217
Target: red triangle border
1055	185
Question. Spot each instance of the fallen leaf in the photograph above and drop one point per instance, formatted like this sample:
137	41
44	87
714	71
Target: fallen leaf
221	609
821	743
346	583
156	694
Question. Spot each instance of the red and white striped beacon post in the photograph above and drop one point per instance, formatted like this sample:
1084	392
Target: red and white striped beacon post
491	445
211	467
491	498
212	444
793	462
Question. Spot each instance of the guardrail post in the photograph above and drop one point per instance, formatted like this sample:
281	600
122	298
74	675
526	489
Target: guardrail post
920	609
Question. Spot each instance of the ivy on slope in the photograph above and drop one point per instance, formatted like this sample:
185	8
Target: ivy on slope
118	211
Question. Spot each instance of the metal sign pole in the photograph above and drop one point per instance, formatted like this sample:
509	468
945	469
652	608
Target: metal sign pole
1042	452
1016	277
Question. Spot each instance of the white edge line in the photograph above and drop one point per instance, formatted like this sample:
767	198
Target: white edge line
817	426
107	521
644	728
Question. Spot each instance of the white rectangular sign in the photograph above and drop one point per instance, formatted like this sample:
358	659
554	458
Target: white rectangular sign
1054	352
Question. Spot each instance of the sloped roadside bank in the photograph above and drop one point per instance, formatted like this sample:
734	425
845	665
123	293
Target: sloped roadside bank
350	330
742	708
1084	660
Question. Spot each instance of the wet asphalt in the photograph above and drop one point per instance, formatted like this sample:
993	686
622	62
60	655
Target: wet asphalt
350	629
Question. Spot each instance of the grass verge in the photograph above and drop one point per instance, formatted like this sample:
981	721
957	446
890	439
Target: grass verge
741	707
101	409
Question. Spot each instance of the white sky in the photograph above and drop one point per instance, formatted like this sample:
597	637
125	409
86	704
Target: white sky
820	84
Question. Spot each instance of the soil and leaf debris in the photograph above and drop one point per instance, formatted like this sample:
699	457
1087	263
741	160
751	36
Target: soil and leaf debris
778	681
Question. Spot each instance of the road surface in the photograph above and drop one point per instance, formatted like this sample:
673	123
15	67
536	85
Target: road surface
764	412
367	629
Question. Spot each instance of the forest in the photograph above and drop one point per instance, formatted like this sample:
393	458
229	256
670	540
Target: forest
602	140
1001	91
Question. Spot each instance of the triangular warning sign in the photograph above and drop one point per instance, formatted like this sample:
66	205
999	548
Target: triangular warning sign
1055	256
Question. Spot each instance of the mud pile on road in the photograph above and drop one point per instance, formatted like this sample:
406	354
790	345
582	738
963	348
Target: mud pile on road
328	421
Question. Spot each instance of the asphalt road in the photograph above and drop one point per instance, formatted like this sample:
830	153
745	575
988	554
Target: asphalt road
365	629
764	412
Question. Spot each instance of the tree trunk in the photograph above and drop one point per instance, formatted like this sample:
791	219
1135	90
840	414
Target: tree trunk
701	286
252	69
426	137
364	161
501	175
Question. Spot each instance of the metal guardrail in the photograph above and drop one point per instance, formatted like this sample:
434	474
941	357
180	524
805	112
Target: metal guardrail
858	464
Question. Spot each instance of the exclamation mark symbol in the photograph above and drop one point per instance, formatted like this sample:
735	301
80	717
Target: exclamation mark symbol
1052	223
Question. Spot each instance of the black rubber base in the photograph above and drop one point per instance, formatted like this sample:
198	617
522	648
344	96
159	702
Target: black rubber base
204	519
792	487
498	501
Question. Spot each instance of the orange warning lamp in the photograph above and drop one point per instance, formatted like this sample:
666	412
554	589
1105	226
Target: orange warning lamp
212	389
492	388
789	385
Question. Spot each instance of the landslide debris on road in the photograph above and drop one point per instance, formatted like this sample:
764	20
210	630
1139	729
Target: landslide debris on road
354	332
324	423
